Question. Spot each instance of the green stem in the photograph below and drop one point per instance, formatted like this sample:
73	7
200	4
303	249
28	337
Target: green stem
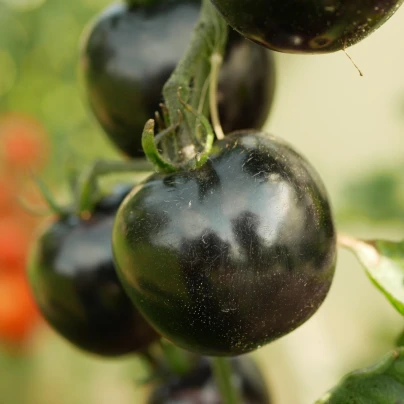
151	360
49	198
209	36
203	155
199	83
150	149
72	173
175	358
87	186
216	62
223	372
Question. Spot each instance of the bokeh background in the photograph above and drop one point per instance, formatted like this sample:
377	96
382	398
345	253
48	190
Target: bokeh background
350	127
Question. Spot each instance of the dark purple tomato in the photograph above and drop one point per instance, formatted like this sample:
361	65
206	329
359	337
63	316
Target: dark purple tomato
226	258
199	385
76	288
129	52
308	26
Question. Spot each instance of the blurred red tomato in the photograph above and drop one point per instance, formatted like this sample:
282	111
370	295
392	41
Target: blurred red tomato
23	146
7	195
18	314
14	244
23	142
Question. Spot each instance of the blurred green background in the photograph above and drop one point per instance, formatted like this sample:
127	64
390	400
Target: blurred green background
39	43
351	128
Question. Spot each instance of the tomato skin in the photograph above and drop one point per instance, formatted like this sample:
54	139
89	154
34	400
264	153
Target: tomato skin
224	259
76	288
200	387
310	26
128	54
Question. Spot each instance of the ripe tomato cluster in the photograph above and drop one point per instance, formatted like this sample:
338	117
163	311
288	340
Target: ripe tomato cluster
23	145
230	244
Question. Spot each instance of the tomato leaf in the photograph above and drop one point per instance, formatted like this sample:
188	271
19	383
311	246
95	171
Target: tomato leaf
384	264
381	383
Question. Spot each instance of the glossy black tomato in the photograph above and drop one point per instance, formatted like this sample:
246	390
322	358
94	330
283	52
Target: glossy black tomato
75	285
228	257
309	26
129	52
199	385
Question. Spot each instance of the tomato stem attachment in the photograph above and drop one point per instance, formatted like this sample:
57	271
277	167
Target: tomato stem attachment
216	62
223	376
202	156
209	36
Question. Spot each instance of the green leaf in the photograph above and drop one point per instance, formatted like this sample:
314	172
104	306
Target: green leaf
384	264
381	383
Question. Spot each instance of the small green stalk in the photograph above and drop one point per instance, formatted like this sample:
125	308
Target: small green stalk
223	372
209	36
185	97
47	195
216	61
151	360
175	358
149	145
87	185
